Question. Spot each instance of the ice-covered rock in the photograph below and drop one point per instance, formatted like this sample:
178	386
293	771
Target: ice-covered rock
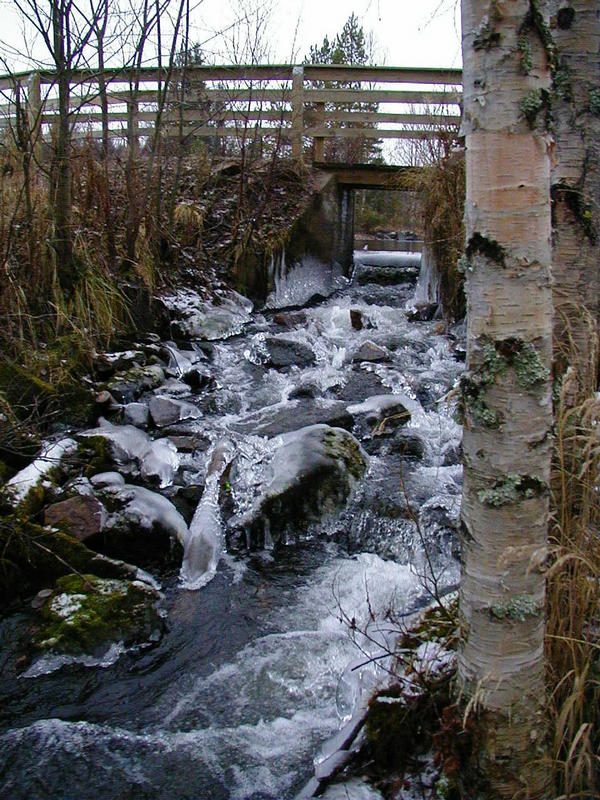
50	457
389	409
155	459
107	479
141	526
194	318
311	474
147	510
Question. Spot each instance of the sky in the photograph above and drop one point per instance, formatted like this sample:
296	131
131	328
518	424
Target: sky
406	33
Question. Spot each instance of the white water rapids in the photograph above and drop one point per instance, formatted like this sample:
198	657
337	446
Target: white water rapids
270	656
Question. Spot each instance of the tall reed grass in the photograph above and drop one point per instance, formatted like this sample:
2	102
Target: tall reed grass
573	586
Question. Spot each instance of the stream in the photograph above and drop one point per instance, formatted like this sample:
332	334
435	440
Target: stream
265	662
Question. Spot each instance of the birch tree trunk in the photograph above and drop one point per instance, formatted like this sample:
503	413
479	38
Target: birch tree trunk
506	394
576	181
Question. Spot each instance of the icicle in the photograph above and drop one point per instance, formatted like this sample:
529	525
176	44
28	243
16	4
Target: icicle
268	539
204	543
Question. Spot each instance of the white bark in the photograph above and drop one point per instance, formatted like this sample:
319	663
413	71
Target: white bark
506	392
576	180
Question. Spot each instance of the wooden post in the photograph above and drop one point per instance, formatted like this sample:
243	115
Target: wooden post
319	141
34	113
297	111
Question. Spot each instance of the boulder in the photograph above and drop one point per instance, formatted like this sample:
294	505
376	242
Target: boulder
309	475
82	516
369	351
356	319
290	319
284	352
141	525
166	410
409	444
360	384
136	414
86	615
126	387
173	388
297	413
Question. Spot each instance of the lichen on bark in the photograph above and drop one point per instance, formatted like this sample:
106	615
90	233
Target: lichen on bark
512	489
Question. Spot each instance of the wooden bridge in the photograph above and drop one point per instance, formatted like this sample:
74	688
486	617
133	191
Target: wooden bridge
296	106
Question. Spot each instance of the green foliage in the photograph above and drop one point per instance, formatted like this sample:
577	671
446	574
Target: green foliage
350	46
369	220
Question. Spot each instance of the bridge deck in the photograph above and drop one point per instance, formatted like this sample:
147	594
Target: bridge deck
367	176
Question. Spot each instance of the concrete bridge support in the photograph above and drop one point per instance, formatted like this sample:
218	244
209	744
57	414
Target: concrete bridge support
321	241
319	250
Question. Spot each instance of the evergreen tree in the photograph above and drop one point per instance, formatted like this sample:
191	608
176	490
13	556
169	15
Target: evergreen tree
349	46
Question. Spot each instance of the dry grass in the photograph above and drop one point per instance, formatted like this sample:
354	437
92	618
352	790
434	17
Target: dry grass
440	182
573	591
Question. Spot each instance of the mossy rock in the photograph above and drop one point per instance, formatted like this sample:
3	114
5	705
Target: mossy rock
127	386
36	556
314	472
96	453
85	614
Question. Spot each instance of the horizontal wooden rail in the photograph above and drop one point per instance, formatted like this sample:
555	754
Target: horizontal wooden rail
295	102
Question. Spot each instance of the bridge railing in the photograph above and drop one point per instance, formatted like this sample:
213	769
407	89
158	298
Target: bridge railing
286	103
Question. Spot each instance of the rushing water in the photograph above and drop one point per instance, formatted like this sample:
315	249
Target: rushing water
261	665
